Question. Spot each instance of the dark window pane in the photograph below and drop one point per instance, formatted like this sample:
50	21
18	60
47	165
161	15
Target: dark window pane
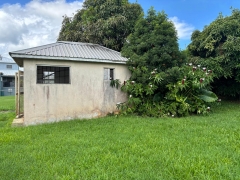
9	66
8	81
51	74
111	74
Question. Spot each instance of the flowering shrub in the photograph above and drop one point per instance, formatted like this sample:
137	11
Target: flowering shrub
175	92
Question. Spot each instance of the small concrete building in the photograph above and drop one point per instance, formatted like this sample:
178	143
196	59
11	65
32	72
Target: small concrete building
69	80
8	68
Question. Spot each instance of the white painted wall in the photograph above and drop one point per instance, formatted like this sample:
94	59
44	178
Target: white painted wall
87	95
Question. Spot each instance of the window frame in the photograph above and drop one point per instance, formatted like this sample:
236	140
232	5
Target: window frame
9	66
53	71
8	80
110	74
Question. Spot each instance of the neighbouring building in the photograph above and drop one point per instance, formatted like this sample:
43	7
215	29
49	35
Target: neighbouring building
8	68
69	80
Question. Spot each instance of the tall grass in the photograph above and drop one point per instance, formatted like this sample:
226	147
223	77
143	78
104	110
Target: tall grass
197	147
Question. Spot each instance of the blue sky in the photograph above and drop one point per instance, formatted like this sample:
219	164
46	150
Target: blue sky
192	14
28	23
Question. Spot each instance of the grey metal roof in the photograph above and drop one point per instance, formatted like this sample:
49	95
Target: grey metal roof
6	60
75	51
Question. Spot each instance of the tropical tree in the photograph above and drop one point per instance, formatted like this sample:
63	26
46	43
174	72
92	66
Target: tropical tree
152	46
160	84
104	22
218	48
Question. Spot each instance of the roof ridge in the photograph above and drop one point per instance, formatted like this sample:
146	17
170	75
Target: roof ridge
74	42
29	49
84	43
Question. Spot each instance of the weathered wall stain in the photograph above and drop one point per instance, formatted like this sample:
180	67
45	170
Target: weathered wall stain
87	95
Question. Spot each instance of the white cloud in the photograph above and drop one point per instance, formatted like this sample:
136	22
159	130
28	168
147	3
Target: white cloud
184	30
36	23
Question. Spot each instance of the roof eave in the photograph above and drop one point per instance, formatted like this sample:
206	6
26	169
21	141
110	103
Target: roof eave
24	56
5	62
7	75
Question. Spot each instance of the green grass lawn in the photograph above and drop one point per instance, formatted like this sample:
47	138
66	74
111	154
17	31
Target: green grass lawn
196	147
7	108
7	103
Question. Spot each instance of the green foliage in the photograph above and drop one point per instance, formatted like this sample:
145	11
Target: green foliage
207	96
179	92
115	83
160	85
104	22
218	48
153	44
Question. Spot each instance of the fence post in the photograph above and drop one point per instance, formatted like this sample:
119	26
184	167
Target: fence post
18	94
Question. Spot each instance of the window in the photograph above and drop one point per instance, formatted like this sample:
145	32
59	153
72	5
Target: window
9	66
53	75
8	81
108	74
